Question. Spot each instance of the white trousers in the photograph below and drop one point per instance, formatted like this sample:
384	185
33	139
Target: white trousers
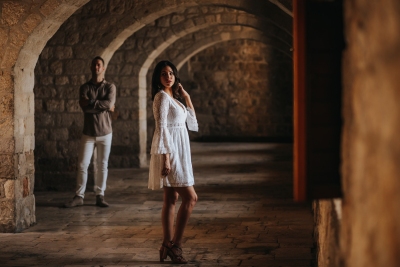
100	162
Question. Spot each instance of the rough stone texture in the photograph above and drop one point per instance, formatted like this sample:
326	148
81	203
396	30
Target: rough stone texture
327	216
262	227
63	67
25	26
241	89
370	233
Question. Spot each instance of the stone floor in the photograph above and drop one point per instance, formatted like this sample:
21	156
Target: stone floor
245	217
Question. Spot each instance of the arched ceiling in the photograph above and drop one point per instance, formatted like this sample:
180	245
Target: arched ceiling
103	26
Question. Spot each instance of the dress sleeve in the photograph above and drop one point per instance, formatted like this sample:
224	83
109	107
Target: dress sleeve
192	121
162	141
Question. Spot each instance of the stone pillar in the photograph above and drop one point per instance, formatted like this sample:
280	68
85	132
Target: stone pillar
25	27
7	158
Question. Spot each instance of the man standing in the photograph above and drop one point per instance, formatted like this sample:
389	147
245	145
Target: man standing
97	100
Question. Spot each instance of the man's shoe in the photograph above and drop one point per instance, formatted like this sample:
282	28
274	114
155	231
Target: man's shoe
100	201
76	201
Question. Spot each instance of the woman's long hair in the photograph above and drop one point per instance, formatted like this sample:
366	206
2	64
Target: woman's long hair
156	85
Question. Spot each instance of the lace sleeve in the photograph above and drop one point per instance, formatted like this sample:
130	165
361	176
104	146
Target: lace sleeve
192	121
162	142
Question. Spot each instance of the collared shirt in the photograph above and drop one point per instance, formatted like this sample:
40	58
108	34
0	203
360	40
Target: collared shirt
97	117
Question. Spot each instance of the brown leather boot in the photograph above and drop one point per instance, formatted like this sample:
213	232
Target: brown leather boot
101	202
76	201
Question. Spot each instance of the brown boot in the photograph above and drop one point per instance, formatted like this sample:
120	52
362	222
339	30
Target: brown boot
76	201
101	202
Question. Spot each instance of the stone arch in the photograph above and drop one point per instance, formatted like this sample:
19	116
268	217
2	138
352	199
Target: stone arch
241	89
222	37
39	20
276	12
142	81
31	25
63	74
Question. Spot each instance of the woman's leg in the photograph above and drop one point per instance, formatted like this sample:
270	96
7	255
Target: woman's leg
189	199
168	213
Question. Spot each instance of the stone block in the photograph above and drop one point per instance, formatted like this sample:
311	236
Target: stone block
7	145
153	32
48	7
59	134
10	58
74	132
7	166
163	22
56	67
72	38
128	81
199	21
117	6
11	12
61	80
215	9
22	164
31	22
73	106
7	212
45	120
9	189
6	127
6	105
25	212
3	37
67	119
29	143
76	67
63	52
77	80
55	105
47	80
17	37
50	148
6	82
38	106
41	133
177	18
228	18
57	39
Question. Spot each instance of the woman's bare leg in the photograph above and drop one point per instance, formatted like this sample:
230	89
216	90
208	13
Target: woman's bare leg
168	213
189	199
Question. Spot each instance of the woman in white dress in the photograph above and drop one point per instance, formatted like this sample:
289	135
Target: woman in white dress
170	163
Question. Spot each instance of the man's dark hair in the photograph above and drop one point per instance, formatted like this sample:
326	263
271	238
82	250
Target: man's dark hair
98	58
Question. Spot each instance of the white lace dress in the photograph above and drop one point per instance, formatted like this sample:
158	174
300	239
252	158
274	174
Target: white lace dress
171	136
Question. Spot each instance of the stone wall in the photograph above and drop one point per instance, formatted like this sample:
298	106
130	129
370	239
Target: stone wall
99	27
327	218
242	89
25	26
64	65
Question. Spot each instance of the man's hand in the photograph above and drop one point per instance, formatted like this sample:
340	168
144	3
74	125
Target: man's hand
84	101
112	109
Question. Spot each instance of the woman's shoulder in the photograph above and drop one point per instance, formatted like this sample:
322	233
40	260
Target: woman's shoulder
161	95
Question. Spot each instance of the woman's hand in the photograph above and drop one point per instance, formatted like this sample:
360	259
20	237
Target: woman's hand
182	91
185	96
167	165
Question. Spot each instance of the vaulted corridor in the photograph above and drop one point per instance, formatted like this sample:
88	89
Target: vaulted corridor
245	217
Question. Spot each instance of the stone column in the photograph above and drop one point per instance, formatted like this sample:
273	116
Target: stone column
25	27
